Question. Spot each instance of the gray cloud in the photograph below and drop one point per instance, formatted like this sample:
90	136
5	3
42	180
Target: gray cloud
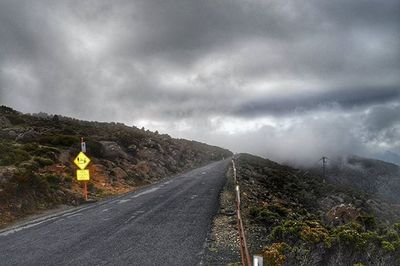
220	71
346	98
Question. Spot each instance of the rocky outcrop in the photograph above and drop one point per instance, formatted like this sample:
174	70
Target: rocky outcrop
28	136
111	150
4	122
342	214
6	173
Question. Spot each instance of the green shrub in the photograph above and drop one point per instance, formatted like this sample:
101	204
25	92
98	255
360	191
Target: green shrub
392	235
263	215
313	232
350	236
282	211
10	154
370	236
29	166
46	149
274	254
353	234
28	181
60	140
43	161
387	246
30	147
91	188
52	181
310	231
369	222
15	119
396	227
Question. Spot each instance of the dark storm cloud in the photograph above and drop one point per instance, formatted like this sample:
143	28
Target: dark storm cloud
382	125
383	117
181	64
346	98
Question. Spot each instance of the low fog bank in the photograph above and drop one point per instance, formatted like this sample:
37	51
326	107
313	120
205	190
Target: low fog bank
303	139
377	178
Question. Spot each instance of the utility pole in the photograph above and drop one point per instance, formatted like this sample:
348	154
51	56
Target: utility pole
324	162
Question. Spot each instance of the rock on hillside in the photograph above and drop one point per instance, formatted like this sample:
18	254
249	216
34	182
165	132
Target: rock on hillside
37	152
296	218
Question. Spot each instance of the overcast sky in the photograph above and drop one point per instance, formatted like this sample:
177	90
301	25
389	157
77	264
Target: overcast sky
288	80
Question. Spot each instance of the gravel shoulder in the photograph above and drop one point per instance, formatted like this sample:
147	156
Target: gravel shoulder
222	246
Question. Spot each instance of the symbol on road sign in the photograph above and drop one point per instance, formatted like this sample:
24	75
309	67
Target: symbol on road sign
82	175
82	160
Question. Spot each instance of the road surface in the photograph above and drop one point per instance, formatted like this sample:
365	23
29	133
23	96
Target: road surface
163	224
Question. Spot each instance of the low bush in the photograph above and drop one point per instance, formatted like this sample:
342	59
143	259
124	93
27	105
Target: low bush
11	154
43	161
274	254
310	231
263	215
60	140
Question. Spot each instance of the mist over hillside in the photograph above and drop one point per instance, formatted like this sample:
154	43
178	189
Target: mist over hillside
295	217
378	178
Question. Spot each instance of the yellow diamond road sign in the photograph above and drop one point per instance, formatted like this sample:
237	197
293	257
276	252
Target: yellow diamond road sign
82	175
82	160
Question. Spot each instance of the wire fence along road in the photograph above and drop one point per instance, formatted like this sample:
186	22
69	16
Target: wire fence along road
244	251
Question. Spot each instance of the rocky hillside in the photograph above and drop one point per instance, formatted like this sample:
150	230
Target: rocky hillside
377	178
296	218
37	152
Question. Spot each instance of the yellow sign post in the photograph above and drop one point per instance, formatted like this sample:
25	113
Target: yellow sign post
82	160
83	174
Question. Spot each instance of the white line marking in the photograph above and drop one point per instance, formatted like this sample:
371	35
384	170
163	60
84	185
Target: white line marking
73	215
123	201
40	221
146	192
24	227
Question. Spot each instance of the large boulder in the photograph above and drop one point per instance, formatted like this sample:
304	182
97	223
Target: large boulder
28	136
151	144
119	173
342	214
7	173
111	150
4	122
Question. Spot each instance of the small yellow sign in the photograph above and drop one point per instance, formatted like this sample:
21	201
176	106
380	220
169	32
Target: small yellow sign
82	175
82	160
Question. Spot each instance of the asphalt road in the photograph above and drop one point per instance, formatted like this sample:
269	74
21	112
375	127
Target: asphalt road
163	224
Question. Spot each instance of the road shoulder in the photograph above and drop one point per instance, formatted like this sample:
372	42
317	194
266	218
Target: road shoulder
222	246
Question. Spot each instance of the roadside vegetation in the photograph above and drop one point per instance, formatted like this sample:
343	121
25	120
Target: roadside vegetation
37	152
300	219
